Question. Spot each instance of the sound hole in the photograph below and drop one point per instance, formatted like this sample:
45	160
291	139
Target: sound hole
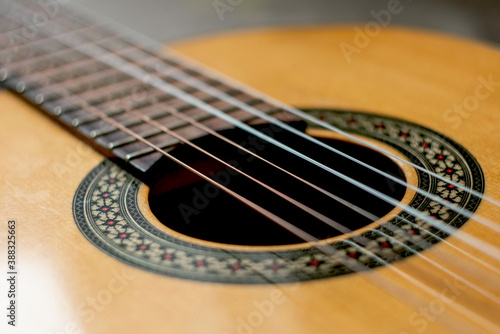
194	207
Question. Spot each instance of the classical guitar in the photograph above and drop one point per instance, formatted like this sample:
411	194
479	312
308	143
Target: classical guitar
145	193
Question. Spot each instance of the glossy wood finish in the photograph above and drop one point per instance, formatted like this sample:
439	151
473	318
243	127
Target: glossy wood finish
68	286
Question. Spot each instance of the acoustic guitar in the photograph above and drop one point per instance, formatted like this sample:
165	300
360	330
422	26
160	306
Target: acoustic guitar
143	192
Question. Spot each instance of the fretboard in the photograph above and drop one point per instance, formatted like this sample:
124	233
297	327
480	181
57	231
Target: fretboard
68	67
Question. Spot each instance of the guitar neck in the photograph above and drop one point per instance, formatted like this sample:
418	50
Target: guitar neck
111	91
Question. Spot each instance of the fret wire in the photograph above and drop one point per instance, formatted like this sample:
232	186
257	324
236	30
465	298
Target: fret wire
96	80
111	103
105	93
151	56
17	52
160	105
122	88
138	137
88	78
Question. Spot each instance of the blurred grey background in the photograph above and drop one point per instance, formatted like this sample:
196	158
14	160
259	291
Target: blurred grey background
170	20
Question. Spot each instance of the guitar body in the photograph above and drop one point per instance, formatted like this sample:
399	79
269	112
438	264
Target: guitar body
67	285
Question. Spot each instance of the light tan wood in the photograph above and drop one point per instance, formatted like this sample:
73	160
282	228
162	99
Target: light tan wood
412	75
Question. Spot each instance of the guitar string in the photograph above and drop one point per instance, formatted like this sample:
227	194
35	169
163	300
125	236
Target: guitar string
455	328
452	206
155	47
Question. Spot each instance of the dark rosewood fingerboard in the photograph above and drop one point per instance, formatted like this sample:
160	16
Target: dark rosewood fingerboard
58	78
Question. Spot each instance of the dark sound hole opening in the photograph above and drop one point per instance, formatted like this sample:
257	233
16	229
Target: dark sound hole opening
194	207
